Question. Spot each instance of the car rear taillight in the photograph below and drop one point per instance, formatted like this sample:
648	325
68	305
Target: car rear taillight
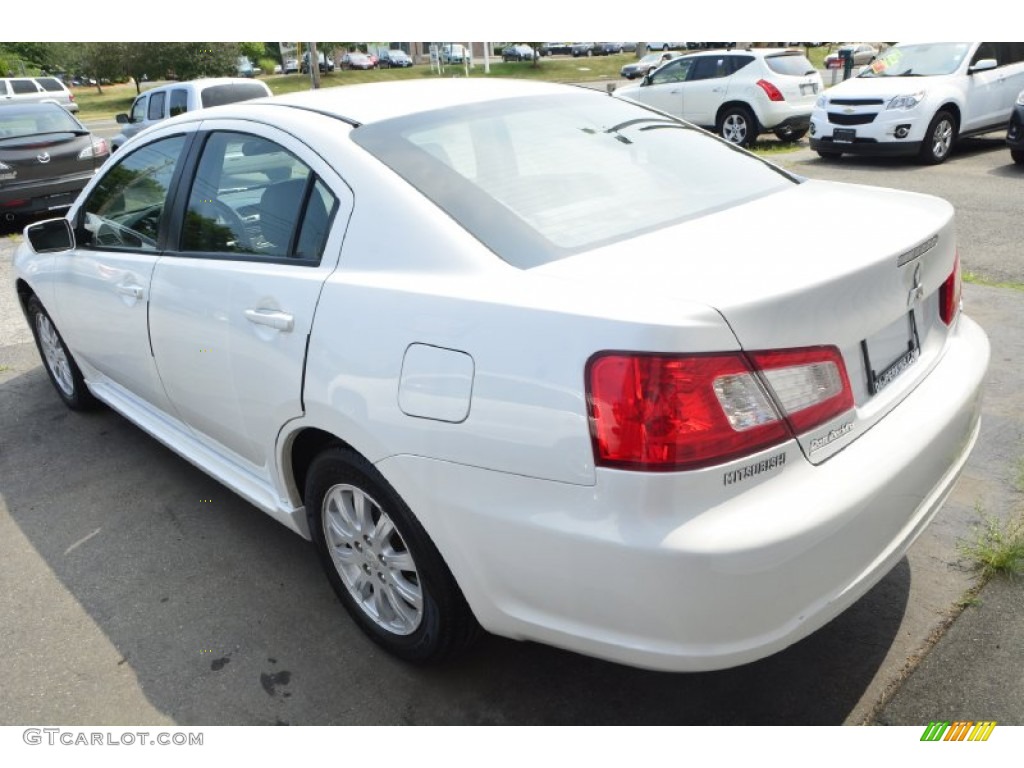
949	294
675	412
774	94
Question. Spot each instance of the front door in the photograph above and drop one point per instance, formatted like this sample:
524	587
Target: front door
103	297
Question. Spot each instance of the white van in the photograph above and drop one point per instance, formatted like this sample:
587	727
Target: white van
165	101
918	99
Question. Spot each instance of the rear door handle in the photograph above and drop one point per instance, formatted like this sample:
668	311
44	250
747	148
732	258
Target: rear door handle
280	321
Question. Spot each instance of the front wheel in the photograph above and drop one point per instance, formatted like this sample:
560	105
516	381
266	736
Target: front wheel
382	564
60	366
737	126
938	140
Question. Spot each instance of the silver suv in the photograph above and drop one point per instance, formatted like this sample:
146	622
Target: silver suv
165	101
26	90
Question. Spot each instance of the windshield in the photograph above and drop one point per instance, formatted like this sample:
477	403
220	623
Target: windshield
541	178
918	60
33	119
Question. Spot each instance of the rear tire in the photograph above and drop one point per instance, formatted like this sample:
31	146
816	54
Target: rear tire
826	154
382	564
1018	156
60	366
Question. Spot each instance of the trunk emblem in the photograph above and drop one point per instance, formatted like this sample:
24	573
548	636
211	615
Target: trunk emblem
43	157
917	291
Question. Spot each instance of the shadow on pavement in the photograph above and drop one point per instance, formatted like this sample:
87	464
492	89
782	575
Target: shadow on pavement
225	618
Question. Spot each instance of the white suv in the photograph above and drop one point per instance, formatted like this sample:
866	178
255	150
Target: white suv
919	98
737	93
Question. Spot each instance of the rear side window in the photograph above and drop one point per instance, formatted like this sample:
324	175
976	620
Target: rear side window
253	197
736	63
23	85
217	95
156	105
3	87
709	68
179	101
795	64
50	84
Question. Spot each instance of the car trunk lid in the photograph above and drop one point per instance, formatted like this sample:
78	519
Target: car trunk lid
859	270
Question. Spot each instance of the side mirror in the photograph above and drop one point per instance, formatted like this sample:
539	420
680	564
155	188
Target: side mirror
123	118
50	236
983	65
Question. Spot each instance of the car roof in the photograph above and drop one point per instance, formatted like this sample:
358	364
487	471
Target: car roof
761	52
372	102
200	83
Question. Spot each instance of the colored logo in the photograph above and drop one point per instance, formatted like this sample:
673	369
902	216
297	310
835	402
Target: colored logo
960	730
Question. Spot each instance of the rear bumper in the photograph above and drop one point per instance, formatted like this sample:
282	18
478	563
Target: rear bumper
689	571
48	195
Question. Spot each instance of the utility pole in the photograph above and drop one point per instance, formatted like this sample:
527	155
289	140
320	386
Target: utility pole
487	58
314	65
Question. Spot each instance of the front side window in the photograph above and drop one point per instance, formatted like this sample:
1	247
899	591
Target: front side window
253	197
139	109
124	210
673	72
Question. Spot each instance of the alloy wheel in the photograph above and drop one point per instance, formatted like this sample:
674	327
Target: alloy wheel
372	559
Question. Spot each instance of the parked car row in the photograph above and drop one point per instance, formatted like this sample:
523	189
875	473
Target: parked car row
911	99
737	93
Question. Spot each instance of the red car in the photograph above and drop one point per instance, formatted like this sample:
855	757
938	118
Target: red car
358	61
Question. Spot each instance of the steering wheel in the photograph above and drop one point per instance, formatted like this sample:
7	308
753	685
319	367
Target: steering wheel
234	222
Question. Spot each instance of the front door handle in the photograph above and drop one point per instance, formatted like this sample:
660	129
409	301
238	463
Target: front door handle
133	291
280	321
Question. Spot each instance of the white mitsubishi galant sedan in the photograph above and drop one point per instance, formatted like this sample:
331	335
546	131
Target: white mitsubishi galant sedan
526	357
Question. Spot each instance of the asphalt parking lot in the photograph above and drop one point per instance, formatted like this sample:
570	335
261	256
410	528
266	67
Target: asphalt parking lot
139	591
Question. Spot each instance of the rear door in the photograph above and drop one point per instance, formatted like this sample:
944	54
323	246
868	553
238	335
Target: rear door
233	299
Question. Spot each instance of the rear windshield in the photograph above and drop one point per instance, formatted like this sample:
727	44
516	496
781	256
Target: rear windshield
540	178
18	120
790	64
216	95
